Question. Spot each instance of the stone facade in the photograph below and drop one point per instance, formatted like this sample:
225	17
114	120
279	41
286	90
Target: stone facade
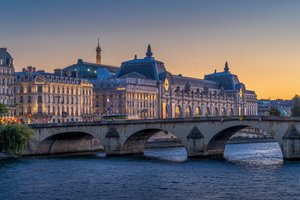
145	88
200	137
7	76
126	96
176	96
46	97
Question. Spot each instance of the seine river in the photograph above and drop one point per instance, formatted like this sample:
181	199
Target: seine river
250	171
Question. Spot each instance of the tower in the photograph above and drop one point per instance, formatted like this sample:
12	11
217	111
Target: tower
226	68
98	54
149	53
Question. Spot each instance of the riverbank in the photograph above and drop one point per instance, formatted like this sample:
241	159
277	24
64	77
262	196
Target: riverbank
4	156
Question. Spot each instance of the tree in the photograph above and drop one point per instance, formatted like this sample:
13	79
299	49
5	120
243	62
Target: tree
274	112
3	109
13	138
296	106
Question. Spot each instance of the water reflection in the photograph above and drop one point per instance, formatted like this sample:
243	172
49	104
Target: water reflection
250	155
254	154
177	154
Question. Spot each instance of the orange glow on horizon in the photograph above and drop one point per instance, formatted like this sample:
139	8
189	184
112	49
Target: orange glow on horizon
269	78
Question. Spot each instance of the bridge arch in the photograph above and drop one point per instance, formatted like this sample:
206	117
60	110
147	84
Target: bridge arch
216	145
68	142
135	143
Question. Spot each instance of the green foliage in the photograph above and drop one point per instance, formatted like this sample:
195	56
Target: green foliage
275	112
14	137
296	106
3	109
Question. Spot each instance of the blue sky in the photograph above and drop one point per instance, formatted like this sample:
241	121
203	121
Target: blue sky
192	37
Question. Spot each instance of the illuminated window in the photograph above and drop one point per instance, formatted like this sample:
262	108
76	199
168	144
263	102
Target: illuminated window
197	112
177	112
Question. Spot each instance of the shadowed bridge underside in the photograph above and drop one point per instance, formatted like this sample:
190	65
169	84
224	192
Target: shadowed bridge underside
69	143
217	144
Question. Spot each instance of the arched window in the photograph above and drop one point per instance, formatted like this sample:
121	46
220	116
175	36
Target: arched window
178	112
197	112
188	111
223	112
216	112
231	112
207	112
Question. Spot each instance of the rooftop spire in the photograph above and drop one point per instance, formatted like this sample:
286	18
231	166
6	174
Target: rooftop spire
98	46
98	53
226	68
149	52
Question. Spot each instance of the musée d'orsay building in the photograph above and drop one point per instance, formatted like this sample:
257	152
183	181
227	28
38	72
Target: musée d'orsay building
144	87
141	87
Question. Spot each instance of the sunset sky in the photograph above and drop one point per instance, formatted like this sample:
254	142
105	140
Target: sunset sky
259	39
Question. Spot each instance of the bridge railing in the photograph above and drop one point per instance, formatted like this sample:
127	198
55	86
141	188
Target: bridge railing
170	120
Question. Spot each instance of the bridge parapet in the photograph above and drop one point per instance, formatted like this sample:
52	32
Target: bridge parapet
172	120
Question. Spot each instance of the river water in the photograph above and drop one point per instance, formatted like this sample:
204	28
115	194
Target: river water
250	171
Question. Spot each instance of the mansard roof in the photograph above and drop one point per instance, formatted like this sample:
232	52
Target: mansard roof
194	82
148	67
133	75
5	58
226	79
26	76
80	62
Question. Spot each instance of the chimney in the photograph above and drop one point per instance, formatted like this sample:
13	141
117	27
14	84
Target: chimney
31	69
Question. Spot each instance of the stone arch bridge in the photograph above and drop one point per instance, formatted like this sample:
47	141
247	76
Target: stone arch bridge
201	137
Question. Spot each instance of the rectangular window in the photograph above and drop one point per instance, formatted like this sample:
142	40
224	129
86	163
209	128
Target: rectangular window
21	99
29	99
40	88
40	110
29	110
29	89
40	99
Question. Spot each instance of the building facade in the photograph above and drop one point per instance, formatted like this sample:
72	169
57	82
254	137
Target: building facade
52	97
283	106
7	76
218	94
131	96
145	88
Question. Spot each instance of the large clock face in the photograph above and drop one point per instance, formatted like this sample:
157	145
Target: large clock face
166	84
